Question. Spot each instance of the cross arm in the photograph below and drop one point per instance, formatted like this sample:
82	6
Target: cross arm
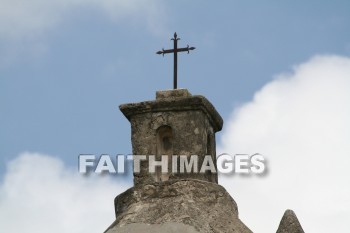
165	51
187	49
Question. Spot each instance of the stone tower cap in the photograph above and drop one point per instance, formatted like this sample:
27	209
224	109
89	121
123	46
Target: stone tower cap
289	223
175	100
177	93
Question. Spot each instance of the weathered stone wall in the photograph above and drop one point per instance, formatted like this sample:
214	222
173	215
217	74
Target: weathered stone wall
190	205
190	132
193	121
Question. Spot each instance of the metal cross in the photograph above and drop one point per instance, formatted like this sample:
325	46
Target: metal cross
175	51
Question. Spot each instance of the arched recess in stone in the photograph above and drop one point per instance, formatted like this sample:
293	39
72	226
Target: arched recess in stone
164	147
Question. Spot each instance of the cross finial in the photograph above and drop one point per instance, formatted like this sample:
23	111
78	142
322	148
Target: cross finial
175	37
175	50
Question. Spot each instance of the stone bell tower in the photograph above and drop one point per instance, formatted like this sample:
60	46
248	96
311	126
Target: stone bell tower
176	123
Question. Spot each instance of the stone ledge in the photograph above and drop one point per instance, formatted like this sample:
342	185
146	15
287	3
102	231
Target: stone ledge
191	103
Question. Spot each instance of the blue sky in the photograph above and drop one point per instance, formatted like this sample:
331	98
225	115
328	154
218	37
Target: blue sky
66	66
61	90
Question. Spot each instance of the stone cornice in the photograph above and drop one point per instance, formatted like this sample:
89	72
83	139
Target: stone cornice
190	103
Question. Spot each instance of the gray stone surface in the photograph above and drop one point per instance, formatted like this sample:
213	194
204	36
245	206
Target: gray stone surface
183	102
290	223
171	227
192	205
177	123
193	122
172	94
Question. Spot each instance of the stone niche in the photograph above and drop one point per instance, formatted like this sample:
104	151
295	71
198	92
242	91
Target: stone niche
176	123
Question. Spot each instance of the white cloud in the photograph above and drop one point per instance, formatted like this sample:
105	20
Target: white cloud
21	18
24	25
39	194
300	123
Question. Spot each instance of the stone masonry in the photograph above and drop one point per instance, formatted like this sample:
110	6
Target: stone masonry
177	123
